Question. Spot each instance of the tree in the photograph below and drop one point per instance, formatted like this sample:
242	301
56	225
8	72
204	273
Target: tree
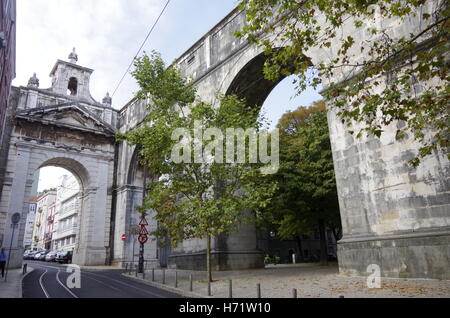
384	78
198	191
306	197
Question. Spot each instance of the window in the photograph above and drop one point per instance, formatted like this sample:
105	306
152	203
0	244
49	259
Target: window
191	59
72	87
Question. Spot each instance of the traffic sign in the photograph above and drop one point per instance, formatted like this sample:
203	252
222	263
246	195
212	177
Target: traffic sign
143	222
15	218
142	239
124	237
143	231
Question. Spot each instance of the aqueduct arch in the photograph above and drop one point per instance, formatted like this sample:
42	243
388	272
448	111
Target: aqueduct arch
392	215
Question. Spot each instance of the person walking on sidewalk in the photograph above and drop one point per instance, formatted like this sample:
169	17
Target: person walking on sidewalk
3	258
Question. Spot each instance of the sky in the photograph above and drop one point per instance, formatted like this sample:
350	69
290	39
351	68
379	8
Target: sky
108	33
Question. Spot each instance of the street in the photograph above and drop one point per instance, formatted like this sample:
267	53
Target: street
49	280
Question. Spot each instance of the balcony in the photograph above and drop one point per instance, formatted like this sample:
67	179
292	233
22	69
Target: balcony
47	237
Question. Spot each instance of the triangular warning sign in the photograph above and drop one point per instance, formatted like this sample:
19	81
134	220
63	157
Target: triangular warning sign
143	222
143	231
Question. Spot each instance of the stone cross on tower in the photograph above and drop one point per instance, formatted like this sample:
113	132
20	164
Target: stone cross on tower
73	57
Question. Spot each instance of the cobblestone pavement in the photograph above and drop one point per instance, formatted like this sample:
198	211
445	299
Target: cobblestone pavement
310	280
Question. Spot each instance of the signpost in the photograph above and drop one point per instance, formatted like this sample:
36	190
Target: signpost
14	220
134	230
142	238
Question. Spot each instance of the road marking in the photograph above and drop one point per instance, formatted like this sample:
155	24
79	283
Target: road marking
57	278
42	286
146	291
99	281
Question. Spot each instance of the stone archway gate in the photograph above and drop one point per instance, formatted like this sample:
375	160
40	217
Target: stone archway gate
51	127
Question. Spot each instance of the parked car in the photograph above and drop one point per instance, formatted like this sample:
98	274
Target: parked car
30	255
51	256
36	256
64	257
42	255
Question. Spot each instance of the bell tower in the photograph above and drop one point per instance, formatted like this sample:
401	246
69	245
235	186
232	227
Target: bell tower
71	79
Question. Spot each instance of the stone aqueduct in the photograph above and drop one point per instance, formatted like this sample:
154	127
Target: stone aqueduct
392	215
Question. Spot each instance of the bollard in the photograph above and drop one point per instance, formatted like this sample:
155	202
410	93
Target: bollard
230	289
137	269
209	288
258	290
126	267
190	283
164	276
176	280
24	271
294	293
153	274
143	274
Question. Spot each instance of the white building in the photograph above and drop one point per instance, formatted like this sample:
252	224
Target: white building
65	230
29	226
45	207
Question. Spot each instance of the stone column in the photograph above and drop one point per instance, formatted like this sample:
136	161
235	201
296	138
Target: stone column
393	215
91	249
17	204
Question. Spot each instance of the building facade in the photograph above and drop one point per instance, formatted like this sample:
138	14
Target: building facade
67	214
45	209
29	226
7	56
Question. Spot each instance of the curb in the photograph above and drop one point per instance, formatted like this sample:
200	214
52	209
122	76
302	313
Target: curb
171	289
29	270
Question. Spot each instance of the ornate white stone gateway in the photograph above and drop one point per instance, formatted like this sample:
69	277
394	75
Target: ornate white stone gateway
61	126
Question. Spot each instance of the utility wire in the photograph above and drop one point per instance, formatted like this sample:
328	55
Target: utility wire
139	51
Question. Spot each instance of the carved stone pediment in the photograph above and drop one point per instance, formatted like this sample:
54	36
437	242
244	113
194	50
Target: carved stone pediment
69	115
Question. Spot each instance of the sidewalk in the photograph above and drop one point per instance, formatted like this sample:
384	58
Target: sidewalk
310	280
12	288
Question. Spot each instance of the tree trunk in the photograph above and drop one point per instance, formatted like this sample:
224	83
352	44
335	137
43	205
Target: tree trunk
323	244
300	248
208	258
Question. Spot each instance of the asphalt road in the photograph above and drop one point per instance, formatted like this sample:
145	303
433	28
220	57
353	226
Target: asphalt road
50	280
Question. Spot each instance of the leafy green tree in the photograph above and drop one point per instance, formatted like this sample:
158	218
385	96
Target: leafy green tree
197	192
385	77
306	197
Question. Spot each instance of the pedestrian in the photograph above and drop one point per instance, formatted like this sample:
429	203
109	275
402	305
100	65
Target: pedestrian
3	258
